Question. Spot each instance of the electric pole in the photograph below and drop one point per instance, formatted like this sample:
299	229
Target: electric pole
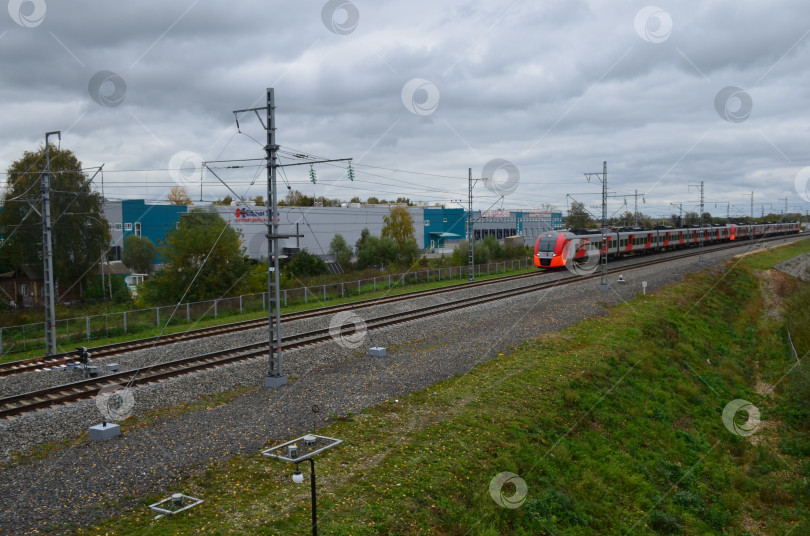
47	251
700	220
680	213
603	283
751	195
470	237
275	374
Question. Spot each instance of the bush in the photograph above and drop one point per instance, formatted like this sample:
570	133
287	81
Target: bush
377	252
120	292
305	264
480	252
494	247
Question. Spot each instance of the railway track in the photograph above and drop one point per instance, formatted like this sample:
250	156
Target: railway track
27	365
88	388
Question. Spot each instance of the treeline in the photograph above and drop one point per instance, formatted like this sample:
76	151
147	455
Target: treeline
580	218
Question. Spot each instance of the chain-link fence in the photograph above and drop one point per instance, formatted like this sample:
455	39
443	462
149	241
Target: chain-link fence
78	331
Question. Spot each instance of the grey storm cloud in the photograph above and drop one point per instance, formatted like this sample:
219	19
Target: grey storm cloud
554	88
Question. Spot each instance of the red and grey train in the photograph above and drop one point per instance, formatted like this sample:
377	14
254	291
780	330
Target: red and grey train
555	248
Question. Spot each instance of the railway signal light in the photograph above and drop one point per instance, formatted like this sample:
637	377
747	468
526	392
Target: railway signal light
83	355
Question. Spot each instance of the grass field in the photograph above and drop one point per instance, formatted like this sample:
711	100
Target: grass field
615	425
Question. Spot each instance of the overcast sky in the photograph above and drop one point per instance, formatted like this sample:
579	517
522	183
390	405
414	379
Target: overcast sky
533	93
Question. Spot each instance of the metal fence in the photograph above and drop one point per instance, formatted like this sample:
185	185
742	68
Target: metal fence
80	330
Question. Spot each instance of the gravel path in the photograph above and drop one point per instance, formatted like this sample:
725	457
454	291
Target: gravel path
77	484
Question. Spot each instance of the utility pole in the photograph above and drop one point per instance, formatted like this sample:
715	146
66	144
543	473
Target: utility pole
470	236
680	213
603	283
784	214
751	195
275	374
47	251
700	220
635	209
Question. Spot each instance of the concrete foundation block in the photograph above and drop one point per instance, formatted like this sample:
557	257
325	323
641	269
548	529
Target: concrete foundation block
112	367
377	351
274	381
100	432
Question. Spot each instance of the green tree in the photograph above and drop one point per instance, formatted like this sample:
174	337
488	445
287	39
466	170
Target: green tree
139	252
204	260
493	246
378	252
227	201
373	201
340	250
481	253
365	234
399	226
80	232
100	289
408	253
259	200
306	264
578	217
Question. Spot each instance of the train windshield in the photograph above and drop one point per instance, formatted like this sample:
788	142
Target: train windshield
547	243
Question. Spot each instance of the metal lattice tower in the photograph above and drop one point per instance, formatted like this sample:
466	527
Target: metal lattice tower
702	236
47	252
603	283
470	237
700	257
275	372
751	195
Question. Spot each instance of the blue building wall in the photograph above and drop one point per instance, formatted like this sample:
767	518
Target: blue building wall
155	221
444	220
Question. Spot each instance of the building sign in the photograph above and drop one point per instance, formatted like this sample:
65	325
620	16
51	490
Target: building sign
539	215
495	214
244	215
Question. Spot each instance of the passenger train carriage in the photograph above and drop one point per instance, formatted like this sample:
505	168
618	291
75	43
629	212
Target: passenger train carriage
556	248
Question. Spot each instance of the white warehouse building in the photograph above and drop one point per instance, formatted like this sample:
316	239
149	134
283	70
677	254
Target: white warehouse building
318	225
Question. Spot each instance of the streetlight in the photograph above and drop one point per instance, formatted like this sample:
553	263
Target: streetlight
300	450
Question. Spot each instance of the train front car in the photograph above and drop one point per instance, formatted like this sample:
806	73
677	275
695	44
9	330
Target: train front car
548	250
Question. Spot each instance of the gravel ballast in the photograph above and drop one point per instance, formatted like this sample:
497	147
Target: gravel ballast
79	483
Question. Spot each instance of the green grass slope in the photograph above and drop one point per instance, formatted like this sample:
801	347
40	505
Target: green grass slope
615	426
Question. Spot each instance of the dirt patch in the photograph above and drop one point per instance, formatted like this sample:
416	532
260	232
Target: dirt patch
763	388
757	528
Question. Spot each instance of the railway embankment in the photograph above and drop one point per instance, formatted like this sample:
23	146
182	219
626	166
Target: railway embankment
685	411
